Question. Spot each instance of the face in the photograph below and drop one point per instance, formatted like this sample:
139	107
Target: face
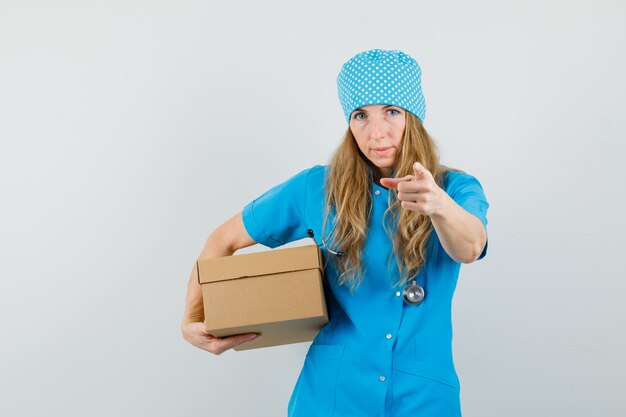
378	130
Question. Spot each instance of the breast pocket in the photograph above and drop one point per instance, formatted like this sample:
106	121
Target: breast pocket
314	394
425	389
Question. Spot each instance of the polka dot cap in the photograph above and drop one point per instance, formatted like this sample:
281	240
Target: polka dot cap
379	76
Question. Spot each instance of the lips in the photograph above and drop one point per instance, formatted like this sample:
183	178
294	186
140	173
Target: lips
383	150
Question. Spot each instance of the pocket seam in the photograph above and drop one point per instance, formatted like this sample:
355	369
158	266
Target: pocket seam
332	354
400	365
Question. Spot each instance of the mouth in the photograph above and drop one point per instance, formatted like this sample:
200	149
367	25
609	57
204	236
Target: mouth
383	150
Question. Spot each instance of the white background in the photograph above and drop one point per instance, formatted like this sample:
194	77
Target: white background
131	129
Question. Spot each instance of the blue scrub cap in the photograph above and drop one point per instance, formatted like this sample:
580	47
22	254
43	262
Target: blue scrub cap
379	76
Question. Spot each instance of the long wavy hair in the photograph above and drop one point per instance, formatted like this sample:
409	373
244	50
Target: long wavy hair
348	194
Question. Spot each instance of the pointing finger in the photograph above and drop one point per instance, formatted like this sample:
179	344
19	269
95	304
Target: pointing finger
393	182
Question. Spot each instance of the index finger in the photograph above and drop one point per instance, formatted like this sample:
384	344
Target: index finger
394	182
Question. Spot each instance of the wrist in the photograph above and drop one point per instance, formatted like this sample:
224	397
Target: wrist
192	319
442	207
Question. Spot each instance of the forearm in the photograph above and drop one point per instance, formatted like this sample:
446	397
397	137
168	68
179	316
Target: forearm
224	241
194	310
461	234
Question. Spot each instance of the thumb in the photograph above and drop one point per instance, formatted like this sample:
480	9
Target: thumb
393	182
418	169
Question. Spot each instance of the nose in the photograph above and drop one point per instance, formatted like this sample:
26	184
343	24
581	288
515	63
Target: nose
377	128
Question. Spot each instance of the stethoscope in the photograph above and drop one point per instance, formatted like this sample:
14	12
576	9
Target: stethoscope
413	293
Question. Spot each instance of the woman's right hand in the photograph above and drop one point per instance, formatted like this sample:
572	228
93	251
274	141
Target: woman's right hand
196	334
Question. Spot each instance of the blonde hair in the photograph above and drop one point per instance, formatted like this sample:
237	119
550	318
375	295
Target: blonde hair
348	194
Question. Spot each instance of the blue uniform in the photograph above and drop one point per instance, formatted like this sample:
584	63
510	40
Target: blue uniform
377	356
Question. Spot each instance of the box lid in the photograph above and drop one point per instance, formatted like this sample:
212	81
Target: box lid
260	263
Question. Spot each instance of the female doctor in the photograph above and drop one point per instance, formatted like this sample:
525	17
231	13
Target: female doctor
394	227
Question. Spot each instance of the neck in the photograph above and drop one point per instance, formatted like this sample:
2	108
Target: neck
379	173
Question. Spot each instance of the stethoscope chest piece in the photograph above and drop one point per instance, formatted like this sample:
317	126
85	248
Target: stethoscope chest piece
413	293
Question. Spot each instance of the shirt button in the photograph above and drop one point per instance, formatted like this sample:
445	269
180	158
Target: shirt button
398	294
377	192
381	378
388	336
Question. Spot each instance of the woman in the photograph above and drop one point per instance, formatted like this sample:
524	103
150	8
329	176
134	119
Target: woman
394	226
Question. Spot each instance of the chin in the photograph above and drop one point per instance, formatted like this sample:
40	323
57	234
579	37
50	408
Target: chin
384	165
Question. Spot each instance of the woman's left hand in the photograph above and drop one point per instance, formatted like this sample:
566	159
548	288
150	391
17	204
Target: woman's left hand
419	192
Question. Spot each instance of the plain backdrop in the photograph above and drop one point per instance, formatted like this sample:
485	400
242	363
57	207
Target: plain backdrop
129	130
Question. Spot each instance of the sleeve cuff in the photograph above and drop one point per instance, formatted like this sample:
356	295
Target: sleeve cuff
482	255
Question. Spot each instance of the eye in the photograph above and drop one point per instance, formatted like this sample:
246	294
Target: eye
357	116
394	112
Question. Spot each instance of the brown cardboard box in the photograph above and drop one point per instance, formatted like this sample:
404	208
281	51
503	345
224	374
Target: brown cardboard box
278	293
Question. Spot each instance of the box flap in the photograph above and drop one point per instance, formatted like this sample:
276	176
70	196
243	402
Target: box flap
260	263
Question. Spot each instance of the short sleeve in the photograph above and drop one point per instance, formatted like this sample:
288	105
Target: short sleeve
278	216
468	193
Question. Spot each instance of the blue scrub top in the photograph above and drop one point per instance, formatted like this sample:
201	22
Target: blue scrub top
377	356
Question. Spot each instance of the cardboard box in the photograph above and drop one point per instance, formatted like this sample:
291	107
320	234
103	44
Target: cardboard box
278	293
